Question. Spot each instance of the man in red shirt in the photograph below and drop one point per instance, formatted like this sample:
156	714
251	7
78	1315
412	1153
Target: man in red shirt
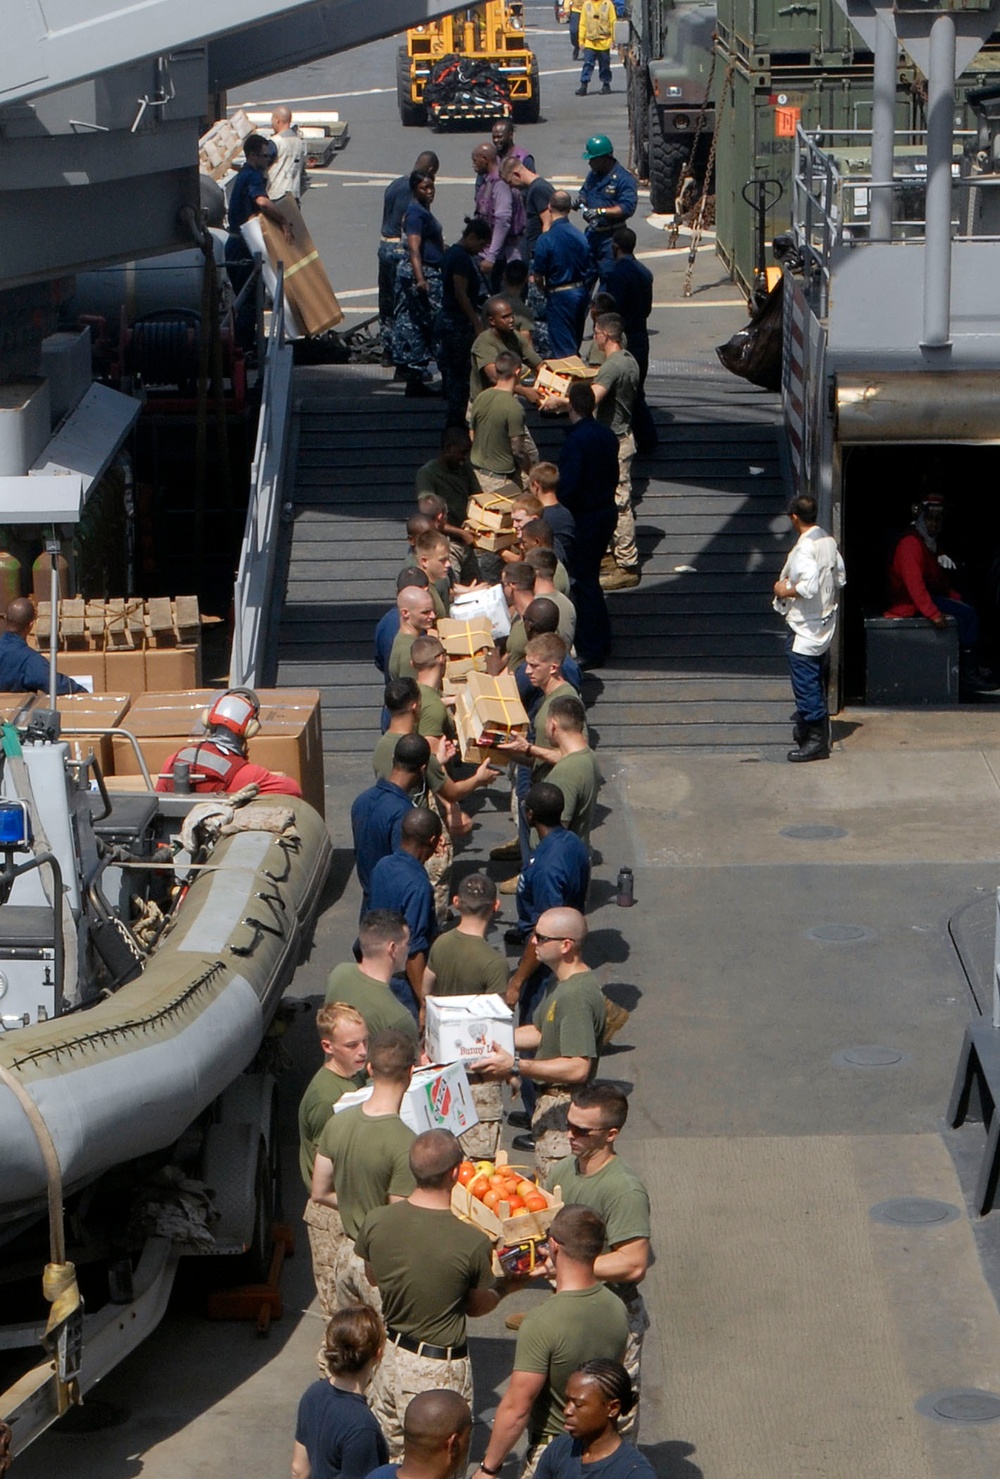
219	761
919	585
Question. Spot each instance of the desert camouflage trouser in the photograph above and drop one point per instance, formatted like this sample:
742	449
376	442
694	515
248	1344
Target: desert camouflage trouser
401	1376
548	1125
352	1281
480	1143
326	1238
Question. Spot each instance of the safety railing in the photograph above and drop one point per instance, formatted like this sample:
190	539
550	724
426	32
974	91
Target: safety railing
831	208
258	554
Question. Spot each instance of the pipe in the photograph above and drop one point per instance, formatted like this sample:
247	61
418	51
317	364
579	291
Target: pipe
940	137
883	126
52	546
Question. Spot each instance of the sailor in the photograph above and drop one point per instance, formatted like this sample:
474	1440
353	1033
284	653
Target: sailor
219	761
288	170
608	198
22	669
562	267
248	197
391	246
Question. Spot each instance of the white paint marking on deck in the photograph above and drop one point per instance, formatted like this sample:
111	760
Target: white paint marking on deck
316	97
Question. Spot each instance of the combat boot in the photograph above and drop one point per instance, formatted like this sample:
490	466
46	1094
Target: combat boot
815	746
798	726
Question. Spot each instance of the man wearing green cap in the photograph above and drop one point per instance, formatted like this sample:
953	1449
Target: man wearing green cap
608	197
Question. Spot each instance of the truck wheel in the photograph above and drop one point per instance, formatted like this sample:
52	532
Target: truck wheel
531	111
638	108
667	158
411	114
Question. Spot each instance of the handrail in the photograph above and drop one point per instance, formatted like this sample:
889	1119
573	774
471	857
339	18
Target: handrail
258	553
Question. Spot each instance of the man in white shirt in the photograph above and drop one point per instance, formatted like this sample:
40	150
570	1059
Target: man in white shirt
285	174
807	595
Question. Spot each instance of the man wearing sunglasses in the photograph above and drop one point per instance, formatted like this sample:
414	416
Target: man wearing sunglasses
564	1035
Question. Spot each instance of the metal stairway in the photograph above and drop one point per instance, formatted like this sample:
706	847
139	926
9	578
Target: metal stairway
697	653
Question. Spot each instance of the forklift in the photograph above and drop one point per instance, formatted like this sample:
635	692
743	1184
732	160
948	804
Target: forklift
484	49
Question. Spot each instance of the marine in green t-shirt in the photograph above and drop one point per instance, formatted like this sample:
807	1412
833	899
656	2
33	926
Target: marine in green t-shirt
400	665
316	1106
579	779
372	998
573	1326
455	485
616	1194
540	768
464	965
485	349
517	641
620	375
561	579
571	1020
370	1155
496	420
425	1263
435	718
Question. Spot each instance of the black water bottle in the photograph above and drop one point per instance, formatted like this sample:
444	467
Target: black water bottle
626	889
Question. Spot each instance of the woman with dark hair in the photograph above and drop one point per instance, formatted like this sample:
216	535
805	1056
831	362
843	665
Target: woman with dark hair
336	1436
463	291
418	285
597	1395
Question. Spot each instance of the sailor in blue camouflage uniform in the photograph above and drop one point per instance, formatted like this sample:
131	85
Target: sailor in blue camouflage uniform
608	198
391	246
563	267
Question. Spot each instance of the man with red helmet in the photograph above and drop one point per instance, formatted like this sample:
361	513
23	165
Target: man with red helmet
218	762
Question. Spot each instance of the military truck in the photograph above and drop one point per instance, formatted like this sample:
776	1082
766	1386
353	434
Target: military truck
491	32
669	60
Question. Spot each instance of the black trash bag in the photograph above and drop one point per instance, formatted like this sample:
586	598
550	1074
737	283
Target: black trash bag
755	352
465	80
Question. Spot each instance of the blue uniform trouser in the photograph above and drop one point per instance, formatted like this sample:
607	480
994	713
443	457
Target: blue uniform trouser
522	785
965	619
603	61
809	676
602	250
566	316
593	629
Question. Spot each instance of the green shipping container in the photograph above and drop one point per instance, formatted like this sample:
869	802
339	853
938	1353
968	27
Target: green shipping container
756	126
806	33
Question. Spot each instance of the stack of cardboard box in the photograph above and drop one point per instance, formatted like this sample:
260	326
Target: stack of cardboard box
490	519
126	646
488	710
555	376
466	644
290	738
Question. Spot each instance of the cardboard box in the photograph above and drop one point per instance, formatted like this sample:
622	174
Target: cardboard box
124	671
439	1098
555	376
171	669
290	738
460	1029
505	1230
307	286
487	711
492	513
83	666
12	705
99	710
466	644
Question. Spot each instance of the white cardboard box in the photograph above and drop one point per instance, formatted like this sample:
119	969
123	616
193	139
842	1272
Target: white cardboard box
439	1098
461	1029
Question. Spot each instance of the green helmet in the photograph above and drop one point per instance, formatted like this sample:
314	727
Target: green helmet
599	145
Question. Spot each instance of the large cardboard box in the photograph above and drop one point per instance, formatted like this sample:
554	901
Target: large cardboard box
88	668
490	518
488	710
307	286
87	713
460	1029
124	671
171	669
290	738
466	644
439	1098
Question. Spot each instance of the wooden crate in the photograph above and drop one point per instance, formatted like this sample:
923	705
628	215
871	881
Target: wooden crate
499	1226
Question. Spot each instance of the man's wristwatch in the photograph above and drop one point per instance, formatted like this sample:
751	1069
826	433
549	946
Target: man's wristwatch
516	1069
492	1472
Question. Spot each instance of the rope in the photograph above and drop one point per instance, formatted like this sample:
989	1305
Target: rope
696	233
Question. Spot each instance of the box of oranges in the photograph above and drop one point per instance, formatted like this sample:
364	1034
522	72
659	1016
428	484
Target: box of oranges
503	1200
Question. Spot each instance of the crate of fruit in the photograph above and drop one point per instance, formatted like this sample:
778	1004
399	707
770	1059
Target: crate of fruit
503	1200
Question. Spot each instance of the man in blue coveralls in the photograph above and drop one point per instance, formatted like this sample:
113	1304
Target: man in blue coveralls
608	197
400	883
22	669
377	814
562	267
248	198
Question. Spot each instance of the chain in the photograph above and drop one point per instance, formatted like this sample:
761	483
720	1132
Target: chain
688	171
696	232
6	1438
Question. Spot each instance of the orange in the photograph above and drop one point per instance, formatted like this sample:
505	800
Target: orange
478	1187
535	1203
526	1188
466	1171
491	1199
520	1211
516	1204
498	1182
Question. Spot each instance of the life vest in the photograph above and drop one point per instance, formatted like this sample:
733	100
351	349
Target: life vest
212	767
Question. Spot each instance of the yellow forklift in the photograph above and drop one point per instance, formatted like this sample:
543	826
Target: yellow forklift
478	64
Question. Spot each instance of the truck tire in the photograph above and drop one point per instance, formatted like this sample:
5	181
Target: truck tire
667	158
638	110
531	111
411	114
